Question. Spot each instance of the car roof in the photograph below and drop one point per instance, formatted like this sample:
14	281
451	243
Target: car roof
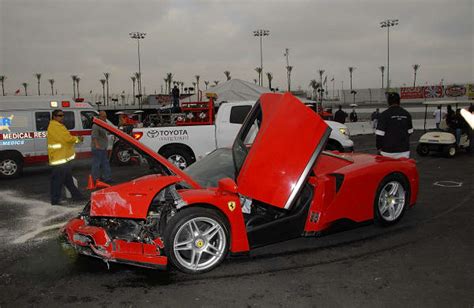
41	103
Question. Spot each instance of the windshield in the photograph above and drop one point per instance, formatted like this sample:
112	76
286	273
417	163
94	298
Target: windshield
213	167
246	137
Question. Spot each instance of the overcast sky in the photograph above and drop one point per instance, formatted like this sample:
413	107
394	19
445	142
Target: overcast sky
59	38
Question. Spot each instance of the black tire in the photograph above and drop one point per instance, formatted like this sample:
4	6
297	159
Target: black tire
179	156
333	145
11	165
121	155
380	214
422	149
179	224
450	151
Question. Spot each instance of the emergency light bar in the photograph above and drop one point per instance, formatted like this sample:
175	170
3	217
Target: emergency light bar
65	104
53	104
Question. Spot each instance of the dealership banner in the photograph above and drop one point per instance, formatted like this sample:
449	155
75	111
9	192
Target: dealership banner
411	93
470	90
433	91
455	90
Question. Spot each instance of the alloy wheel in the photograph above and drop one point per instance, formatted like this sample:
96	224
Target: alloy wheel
391	201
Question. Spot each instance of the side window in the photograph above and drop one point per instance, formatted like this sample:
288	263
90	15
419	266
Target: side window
42	120
69	119
238	114
86	118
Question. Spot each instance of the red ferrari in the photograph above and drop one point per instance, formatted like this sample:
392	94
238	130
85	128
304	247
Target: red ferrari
275	183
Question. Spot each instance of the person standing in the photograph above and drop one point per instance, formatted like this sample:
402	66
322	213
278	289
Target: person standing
340	116
175	96
353	115
60	154
394	129
438	115
374	118
99	144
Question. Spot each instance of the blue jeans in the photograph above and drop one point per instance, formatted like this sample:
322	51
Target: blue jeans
100	165
62	175
458	135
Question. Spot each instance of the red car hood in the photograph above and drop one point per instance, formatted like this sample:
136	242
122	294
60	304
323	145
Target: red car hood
131	199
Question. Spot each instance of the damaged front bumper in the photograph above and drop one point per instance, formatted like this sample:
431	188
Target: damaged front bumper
94	241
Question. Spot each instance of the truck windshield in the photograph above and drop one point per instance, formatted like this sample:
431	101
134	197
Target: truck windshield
246	137
215	166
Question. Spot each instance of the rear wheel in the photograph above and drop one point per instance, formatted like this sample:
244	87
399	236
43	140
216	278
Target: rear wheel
11	165
450	150
197	240
179	156
121	155
391	200
422	149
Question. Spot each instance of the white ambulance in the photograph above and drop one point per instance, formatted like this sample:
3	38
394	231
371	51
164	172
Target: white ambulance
23	128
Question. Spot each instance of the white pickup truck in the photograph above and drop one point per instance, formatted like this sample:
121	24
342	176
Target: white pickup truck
183	145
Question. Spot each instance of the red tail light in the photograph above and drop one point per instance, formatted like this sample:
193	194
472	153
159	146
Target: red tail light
65	104
137	135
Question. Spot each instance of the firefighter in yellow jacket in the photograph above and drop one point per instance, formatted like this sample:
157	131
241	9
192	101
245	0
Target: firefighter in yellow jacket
61	153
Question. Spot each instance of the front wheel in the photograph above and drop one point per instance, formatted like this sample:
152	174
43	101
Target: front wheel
422	149
11	166
196	240
391	200
450	151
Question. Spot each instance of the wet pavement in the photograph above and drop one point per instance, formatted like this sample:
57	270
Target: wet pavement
425	260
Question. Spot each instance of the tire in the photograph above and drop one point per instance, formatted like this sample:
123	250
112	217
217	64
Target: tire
179	156
391	200
11	165
121	155
334	145
198	253
422	149
450	151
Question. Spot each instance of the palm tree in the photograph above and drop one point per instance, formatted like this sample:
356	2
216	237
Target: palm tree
77	85
314	85
197	83
169	77
415	68
194	86
206	82
133	91
227	75
270	78
259	72
38	76
107	75
181	83
74	77
102	81
2	80
216	82
166	85
25	85
51	82
288	72
382	69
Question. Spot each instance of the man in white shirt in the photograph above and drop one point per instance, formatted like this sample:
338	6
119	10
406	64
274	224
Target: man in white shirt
438	115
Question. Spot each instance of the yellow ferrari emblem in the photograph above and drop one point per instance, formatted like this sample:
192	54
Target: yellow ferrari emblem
231	205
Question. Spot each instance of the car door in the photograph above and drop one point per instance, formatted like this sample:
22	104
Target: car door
276	148
228	127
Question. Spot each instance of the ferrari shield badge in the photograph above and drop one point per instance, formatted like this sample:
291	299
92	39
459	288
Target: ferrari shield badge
231	205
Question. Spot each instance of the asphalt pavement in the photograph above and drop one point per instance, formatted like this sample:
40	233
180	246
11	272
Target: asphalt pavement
425	260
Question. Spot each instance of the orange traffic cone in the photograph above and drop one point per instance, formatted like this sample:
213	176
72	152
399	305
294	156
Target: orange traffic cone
90	183
100	184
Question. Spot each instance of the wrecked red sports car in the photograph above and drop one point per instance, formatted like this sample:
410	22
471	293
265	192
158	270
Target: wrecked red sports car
274	184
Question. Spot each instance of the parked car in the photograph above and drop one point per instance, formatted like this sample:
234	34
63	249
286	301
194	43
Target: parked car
275	183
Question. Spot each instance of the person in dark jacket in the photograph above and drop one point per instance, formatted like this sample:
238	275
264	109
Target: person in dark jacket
340	116
353	115
175	97
394	129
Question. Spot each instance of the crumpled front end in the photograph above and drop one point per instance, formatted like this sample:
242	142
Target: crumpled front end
122	239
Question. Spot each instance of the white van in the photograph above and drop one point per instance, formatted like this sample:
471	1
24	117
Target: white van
23	128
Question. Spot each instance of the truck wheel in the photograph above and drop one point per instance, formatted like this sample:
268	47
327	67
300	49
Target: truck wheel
11	165
422	149
450	150
180	157
121	156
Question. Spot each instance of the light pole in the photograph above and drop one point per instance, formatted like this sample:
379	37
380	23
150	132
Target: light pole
353	92
138	36
387	24
382	69
288	68
261	33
